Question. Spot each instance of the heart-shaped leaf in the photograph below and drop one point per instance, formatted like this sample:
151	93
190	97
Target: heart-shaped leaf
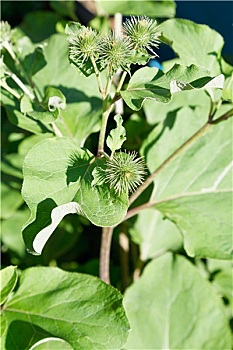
80	309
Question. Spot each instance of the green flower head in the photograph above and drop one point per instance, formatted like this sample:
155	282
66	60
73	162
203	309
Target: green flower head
84	45
143	32
125	172
116	52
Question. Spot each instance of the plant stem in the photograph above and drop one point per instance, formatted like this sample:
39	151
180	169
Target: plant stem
124	258
10	90
104	122
185	145
56	130
21	85
121	82
97	73
105	253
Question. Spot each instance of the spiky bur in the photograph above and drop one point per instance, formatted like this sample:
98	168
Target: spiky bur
125	172
116	52
84	45
143	33
5	34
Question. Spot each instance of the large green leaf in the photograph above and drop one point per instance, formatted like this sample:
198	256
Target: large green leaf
194	190
157	236
180	310
11	232
151	83
56	172
78	308
144	7
11	200
194	43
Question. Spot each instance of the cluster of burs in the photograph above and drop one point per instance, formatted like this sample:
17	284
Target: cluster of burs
135	43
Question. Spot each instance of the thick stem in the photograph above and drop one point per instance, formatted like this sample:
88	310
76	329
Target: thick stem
105	248
124	259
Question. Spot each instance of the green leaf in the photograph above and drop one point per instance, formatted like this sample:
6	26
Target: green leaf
227	93
194	190
89	314
48	110
31	57
57	172
57	214
159	235
117	136
39	25
194	43
196	100
12	107
151	83
150	8
8	281
216	83
180	310
50	344
64	8
11	200
11	232
205	222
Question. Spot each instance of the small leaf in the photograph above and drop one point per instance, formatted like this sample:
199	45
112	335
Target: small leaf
48	110
8	281
99	175
54	100
73	28
117	136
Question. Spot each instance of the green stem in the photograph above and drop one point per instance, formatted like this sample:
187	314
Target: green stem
105	115
105	253
121	82
10	90
97	73
56	130
11	52
21	85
